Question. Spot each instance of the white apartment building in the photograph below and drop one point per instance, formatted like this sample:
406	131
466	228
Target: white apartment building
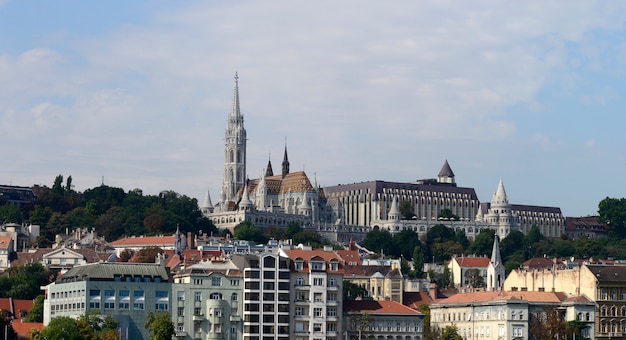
316	278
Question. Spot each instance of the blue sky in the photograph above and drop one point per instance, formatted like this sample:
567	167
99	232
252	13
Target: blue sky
138	92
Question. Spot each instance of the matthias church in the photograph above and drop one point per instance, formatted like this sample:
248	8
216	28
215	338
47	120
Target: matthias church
348	211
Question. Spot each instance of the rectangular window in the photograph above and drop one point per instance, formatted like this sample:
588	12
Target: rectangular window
234	282
94	293
318	281
181	296
123	294
138	306
332	311
109	293
299	311
216	281
137	294
123	306
332	296
197	296
161	306
317	312
109	305
317	297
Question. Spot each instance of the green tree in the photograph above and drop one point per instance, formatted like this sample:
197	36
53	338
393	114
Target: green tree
418	262
10	212
403	243
61	328
534	236
352	291
612	211
378	240
450	332
248	231
360	325
24	282
160	326
474	279
483	244
35	314
110	223
406	210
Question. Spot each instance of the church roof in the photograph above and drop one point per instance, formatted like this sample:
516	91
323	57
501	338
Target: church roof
293	182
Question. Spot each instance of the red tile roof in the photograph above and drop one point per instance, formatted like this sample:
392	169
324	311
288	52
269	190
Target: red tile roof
5	242
378	307
308	255
23	328
143	241
473	261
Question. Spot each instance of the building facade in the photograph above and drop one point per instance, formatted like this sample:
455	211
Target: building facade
207	301
507	315
266	296
126	291
317	278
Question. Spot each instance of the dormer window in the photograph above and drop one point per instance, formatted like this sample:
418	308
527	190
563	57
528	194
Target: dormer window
334	266
299	264
316	265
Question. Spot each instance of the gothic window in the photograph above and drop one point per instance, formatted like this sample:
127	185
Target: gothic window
231	158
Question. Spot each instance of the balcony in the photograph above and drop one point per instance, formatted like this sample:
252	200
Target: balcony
235	318
302	287
198	317
180	334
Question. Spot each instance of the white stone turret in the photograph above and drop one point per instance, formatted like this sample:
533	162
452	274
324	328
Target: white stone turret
495	271
394	210
246	204
207	207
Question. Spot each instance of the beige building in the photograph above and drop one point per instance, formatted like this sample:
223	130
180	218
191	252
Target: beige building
506	314
603	284
381	278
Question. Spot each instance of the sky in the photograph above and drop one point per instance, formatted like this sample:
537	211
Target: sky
136	93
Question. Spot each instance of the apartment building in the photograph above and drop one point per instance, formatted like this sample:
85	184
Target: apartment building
208	301
316	278
266	296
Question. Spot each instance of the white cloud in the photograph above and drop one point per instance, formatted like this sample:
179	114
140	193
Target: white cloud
349	83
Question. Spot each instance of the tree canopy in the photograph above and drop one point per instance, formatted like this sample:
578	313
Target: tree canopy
160	326
110	210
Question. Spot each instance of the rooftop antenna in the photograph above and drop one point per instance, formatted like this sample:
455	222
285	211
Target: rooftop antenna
102	181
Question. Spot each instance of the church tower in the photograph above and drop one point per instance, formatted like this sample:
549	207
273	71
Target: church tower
285	162
495	270
234	149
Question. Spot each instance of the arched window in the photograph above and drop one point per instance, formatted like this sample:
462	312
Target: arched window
216	296
234	297
299	281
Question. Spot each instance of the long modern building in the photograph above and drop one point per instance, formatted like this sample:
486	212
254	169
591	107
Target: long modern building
126	291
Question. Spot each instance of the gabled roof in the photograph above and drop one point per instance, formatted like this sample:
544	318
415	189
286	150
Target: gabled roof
378	307
315	255
370	271
5	242
466	262
143	241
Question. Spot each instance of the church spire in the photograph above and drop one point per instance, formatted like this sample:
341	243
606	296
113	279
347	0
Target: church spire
285	161
495	252
269	171
236	110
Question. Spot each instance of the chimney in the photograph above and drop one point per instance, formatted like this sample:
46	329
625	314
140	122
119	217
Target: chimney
190	240
432	291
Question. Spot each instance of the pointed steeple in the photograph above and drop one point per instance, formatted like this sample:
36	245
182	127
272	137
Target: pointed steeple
236	110
499	197
446	175
246	203
285	161
394	210
207	207
268	170
207	200
495	252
